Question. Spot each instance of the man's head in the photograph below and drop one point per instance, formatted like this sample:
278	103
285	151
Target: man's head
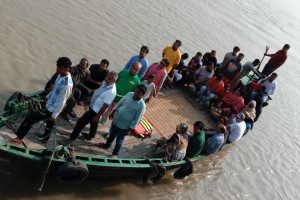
220	128
104	64
209	67
240	117
111	78
63	65
256	62
198	126
164	63
176	45
236	49
198	56
184	56
135	68
239	92
144	51
286	47
213	53
273	77
219	78
181	128
83	63
240	57
139	92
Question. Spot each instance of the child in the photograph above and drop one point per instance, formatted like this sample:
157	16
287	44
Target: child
150	88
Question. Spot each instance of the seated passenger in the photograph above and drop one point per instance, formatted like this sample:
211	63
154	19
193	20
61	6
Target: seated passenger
215	141
250	66
194	64
270	84
230	55
141	58
98	72
179	68
196	142
249	112
175	146
209	57
202	75
238	128
150	88
213	87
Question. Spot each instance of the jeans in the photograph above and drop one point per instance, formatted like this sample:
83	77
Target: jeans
84	91
267	70
203	97
82	122
264	96
115	132
34	118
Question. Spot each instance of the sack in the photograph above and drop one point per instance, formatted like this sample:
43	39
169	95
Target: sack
143	129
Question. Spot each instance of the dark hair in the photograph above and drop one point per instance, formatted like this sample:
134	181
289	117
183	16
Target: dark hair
257	61
213	51
219	77
199	125
236	48
184	56
142	88
179	42
199	53
152	76
64	62
83	60
274	74
145	48
211	63
222	130
241	90
287	46
166	61
104	61
241	54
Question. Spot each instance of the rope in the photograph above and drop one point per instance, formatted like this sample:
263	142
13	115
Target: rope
45	172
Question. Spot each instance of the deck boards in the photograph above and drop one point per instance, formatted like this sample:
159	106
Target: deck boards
133	147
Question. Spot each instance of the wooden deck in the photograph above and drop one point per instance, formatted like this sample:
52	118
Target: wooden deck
133	146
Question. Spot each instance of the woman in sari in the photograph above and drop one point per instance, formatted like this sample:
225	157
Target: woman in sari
159	69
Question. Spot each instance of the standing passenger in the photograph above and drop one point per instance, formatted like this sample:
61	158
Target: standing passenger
141	58
127	115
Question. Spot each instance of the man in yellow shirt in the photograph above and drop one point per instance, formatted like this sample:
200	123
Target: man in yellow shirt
172	53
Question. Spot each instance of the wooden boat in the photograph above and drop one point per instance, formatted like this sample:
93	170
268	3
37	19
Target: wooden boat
132	163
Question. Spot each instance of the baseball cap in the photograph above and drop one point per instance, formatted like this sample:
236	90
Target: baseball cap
241	115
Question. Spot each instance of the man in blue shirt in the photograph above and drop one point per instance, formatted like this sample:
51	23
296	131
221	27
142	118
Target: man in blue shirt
131	109
141	58
216	139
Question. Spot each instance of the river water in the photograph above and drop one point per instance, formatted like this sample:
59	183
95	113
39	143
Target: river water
263	165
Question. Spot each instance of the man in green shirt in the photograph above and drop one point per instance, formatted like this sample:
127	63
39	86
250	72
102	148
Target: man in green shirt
127	82
196	143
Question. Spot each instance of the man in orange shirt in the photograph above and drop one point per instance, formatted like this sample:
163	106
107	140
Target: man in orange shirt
172	53
214	86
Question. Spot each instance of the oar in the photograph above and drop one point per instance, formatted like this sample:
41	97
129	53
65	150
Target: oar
267	49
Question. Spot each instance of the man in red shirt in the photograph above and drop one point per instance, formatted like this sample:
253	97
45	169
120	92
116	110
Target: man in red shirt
276	60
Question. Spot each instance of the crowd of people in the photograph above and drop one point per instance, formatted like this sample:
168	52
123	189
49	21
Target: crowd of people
123	97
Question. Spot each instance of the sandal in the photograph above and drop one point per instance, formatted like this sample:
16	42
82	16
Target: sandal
101	145
15	141
86	136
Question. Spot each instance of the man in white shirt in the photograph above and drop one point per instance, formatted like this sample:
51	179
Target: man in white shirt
237	129
100	101
55	101
270	85
230	55
202	75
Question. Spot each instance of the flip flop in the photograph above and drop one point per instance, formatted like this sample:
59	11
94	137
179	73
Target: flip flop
15	141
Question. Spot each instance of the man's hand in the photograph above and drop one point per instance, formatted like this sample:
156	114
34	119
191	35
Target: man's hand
112	115
127	132
96	118
52	118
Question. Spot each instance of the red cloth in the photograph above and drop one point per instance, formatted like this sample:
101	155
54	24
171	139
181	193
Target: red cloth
254	85
236	103
158	74
216	89
277	59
